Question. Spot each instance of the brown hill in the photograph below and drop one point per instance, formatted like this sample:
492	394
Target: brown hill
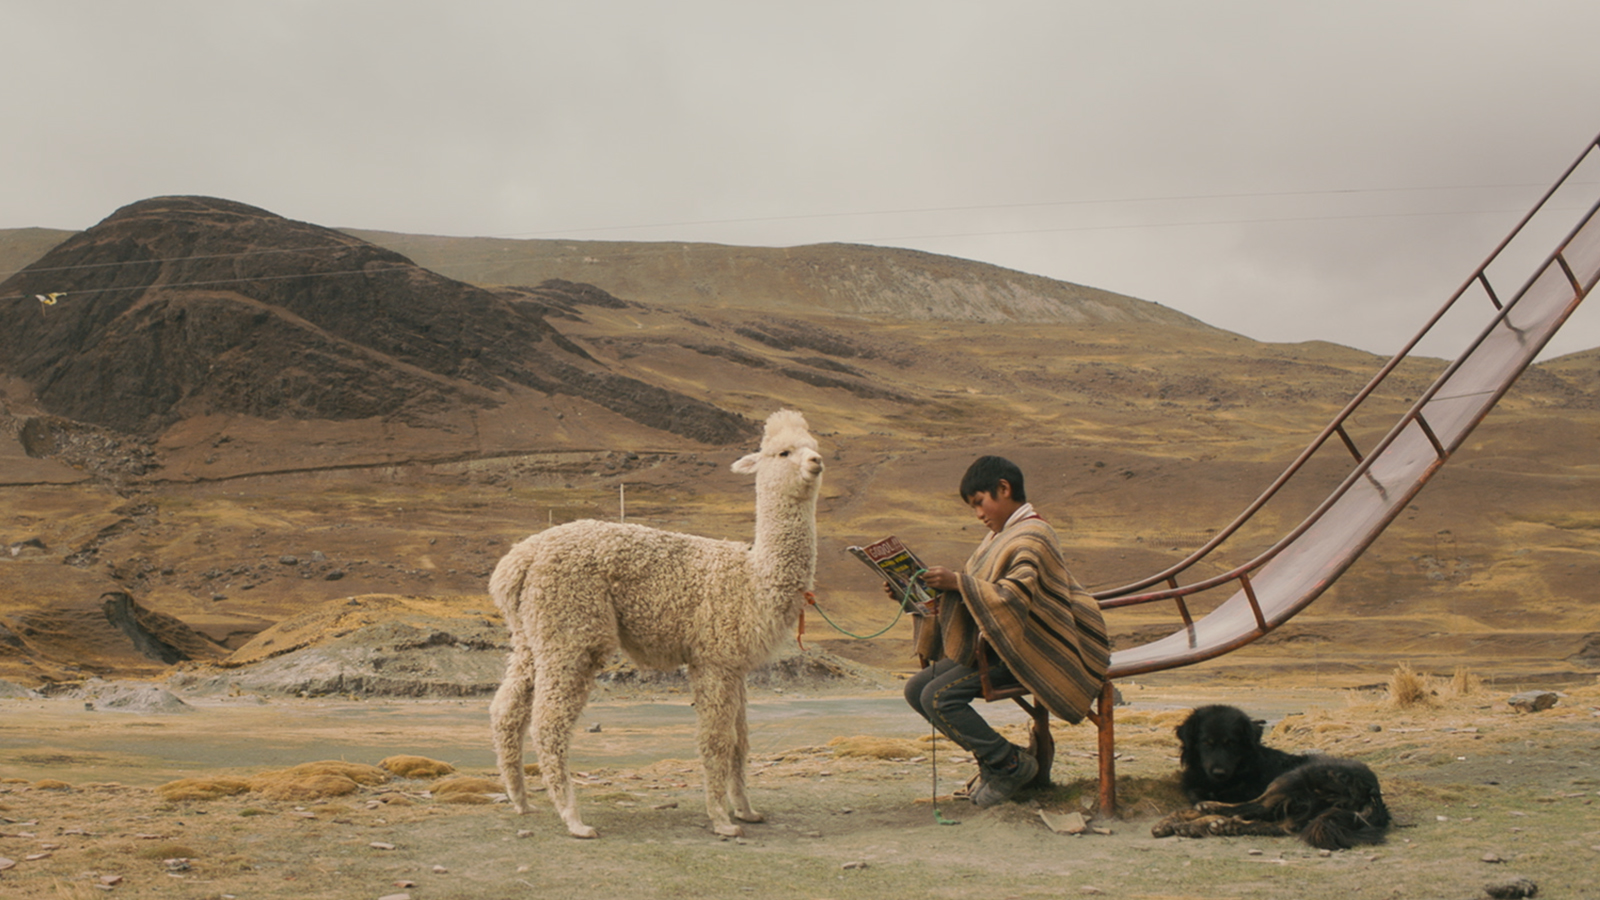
1141	435
182	306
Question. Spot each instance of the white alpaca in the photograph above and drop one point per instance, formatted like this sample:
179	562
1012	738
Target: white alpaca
573	593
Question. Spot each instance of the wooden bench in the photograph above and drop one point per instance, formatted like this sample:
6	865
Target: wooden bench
1042	744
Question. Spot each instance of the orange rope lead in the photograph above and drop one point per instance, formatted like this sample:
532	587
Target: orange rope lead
800	632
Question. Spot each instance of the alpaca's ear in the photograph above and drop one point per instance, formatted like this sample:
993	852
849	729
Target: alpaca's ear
746	465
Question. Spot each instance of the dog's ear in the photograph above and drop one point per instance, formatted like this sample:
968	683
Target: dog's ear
1188	732
1260	728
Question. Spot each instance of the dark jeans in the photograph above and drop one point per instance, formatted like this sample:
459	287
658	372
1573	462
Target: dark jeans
943	693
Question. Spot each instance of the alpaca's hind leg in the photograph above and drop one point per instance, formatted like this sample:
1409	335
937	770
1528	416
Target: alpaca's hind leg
563	690
718	702
509	715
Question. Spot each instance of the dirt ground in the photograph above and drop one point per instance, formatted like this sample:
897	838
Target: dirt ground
1482	794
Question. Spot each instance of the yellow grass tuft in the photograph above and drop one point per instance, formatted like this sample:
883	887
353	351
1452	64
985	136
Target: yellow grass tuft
466	784
416	767
1463	683
202	788
463	798
284	786
1409	688
51	784
360	773
874	747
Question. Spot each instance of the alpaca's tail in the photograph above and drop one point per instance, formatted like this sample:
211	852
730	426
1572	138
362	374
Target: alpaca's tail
507	582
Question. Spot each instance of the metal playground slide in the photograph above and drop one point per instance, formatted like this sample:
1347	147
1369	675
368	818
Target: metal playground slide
1520	301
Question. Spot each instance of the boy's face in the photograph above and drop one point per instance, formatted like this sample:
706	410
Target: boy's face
993	509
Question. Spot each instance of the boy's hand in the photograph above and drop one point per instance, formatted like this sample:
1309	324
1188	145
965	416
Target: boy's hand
941	579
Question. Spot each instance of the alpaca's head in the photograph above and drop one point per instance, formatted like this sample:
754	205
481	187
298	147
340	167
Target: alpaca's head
788	460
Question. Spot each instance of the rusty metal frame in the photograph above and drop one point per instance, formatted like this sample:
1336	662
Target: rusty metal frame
1182	647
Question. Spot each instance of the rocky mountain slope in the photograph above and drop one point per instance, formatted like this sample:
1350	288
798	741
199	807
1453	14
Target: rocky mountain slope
848	279
183	306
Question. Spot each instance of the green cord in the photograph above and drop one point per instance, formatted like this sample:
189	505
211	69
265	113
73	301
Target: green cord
933	744
905	602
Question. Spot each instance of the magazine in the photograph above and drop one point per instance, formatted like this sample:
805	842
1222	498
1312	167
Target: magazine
896	564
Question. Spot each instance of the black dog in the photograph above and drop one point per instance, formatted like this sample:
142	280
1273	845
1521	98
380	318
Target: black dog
1330	803
1223	758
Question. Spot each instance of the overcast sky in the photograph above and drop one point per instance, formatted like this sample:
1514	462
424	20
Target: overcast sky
1288	170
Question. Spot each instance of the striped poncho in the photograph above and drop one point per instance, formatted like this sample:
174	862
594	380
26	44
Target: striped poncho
1017	594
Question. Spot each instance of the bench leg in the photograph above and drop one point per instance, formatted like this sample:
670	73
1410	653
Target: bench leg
1108	751
1041	743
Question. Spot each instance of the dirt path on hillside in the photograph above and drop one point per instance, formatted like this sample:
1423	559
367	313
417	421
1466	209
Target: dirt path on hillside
845	783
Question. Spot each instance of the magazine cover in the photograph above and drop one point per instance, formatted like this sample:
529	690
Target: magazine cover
895	563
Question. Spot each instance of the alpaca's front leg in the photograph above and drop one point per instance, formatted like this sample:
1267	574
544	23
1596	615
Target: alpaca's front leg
741	756
718	703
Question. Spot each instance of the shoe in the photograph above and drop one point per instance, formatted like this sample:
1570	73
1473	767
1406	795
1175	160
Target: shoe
995	787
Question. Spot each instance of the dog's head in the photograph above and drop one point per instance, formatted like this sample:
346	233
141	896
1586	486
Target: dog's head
1219	741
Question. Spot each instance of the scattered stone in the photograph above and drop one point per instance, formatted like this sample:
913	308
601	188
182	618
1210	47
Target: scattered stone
440	870
1254	851
110	880
177	864
595	728
405	884
140	698
856	864
395	897
289	560
381	845
1533	701
1515	889
1492	858
670	804
1064	823
6	863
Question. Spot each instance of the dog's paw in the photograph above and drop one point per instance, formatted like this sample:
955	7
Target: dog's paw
729	830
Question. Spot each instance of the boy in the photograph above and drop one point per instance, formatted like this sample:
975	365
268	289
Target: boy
1038	625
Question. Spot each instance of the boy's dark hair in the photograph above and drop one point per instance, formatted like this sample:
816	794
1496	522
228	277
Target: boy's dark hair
985	475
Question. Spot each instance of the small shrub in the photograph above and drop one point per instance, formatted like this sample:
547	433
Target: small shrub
1408	688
